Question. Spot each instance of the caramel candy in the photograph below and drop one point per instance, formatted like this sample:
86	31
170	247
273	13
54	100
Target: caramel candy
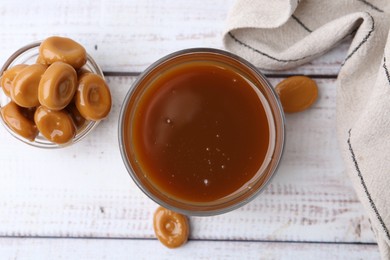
171	228
51	84
8	76
81	72
17	118
55	126
40	60
62	49
78	119
58	86
93	98
297	93
24	91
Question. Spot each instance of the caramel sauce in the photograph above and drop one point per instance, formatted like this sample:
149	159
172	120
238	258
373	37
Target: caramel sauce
199	132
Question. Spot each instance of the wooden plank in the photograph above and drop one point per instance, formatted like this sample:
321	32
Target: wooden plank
130	35
27	248
85	191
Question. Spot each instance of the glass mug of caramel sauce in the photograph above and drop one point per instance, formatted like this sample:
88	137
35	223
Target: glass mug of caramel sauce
201	132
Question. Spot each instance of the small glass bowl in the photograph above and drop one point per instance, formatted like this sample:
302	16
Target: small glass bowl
274	114
28	55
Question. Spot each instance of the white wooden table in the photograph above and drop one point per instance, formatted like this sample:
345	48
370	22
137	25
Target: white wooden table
80	203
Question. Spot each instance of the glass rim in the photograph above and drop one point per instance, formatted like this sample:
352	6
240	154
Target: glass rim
125	156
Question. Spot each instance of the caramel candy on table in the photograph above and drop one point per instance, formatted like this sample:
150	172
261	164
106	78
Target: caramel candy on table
171	228
62	49
58	86
297	93
93	98
24	90
55	126
17	118
8	76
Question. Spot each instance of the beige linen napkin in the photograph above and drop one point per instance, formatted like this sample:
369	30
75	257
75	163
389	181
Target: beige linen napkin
277	34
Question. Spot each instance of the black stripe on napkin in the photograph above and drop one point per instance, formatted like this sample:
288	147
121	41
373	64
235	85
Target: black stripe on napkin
373	206
363	41
371	5
386	70
263	53
300	23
